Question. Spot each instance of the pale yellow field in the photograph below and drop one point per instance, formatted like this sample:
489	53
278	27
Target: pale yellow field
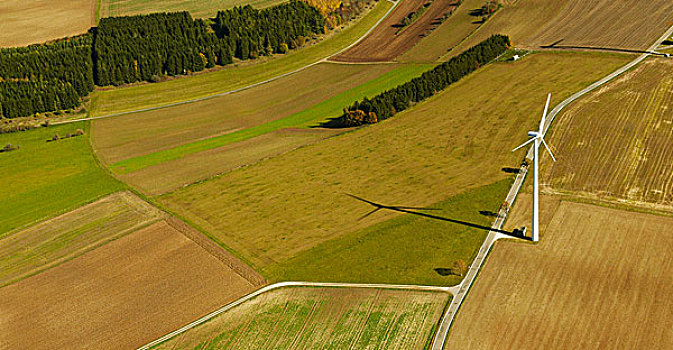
617	143
633	24
53	241
24	22
599	278
321	318
197	8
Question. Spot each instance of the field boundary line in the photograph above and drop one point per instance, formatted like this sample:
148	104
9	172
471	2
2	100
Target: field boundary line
493	236
449	290
247	87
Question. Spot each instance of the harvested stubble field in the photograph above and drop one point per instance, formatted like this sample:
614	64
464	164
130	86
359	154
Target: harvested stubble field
597	23
53	241
129	98
44	179
197	8
132	135
431	152
123	294
617	142
25	22
388	40
599	278
321	318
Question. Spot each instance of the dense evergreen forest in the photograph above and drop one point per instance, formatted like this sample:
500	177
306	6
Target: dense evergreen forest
47	77
386	104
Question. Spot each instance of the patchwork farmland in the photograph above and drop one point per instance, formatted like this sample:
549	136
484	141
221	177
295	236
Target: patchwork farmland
608	289
141	285
627	161
226	161
321	318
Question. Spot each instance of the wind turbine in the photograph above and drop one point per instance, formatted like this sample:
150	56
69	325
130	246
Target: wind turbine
537	137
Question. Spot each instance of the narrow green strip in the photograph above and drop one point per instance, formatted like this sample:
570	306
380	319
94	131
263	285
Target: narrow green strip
318	112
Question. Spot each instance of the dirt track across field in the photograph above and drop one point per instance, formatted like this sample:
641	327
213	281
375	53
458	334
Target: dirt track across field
599	278
389	40
124	294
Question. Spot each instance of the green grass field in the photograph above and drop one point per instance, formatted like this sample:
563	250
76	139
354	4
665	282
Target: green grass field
116	100
321	318
44	179
458	140
197	8
310	116
414	246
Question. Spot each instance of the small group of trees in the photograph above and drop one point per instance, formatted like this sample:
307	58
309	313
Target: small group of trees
388	103
487	10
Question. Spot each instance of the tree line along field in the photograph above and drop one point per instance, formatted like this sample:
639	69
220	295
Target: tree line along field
129	98
388	40
197	8
321	318
599	277
269	220
48	178
35	21
598	23
125	293
629	160
64	237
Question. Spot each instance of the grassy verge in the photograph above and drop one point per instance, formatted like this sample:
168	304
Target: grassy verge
232	77
44	179
319	112
403	250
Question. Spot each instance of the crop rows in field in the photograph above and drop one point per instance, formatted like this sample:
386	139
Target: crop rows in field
617	142
321	318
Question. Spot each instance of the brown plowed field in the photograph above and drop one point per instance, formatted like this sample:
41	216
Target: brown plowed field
600	278
617	142
121	295
388	40
24	22
50	242
633	24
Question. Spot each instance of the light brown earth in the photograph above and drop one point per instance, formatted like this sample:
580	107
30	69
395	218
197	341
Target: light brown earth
273	210
632	24
171	175
121	295
24	22
53	241
127	136
617	142
599	278
321	318
388	40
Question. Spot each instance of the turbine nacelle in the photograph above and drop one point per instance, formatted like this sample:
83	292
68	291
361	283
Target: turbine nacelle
533	134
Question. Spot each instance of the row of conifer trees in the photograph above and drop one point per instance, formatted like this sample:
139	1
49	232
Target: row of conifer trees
386	104
42	78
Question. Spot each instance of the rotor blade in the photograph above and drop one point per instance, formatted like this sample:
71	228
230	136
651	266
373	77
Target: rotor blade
548	149
523	144
364	200
370	213
544	115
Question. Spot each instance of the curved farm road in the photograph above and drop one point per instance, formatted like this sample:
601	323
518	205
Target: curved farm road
245	87
464	286
271	287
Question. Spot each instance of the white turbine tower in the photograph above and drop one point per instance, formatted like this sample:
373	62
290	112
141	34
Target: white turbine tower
537	137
